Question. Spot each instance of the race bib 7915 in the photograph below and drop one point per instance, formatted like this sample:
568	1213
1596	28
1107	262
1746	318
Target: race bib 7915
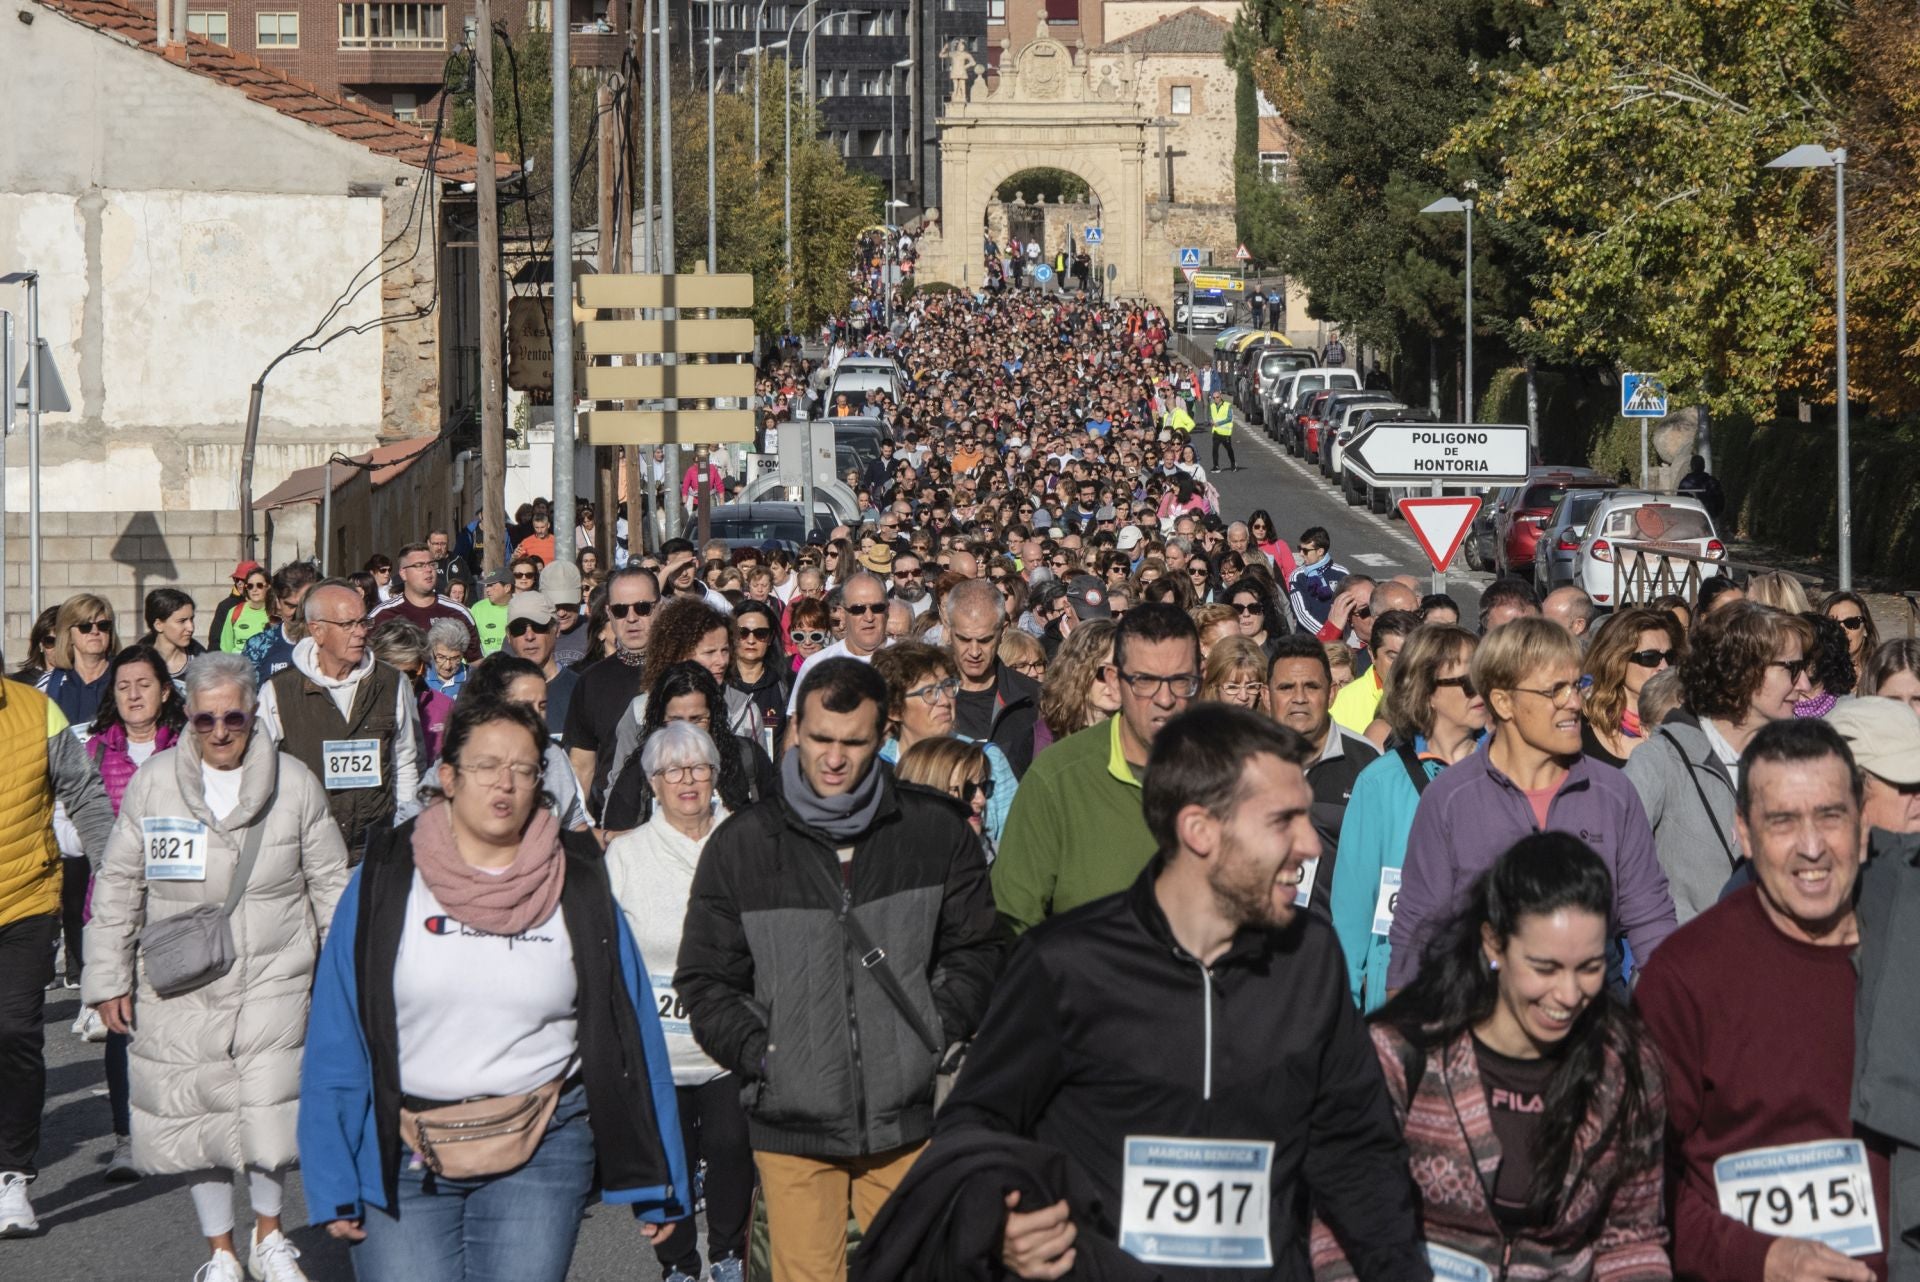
1821	1190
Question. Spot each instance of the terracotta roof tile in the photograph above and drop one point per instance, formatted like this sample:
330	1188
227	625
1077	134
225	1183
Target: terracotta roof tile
291	96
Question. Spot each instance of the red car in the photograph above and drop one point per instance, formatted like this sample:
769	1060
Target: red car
1524	509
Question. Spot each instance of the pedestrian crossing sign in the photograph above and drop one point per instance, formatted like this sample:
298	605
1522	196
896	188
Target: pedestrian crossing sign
1190	258
1642	396
1093	235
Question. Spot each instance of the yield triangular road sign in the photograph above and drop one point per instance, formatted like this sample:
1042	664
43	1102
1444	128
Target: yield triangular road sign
1440	524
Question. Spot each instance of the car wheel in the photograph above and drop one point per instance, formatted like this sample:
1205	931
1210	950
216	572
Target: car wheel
1379	500
1353	496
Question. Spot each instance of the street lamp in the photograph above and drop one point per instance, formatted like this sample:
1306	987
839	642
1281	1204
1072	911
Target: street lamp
893	136
805	10
755	52
31	279
1453	205
1813	156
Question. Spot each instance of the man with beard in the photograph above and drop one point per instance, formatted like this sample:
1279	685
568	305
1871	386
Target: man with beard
910	583
1228	1082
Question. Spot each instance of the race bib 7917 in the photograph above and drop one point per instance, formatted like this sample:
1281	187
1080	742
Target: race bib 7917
1198	1202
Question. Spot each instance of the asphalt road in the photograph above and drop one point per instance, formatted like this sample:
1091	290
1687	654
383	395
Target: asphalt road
100	1232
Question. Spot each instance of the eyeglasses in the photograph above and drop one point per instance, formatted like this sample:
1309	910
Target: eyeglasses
755	634
1240	689
1035	668
908	574
517	774
234	721
1145	685
809	636
361	624
520	627
1852	624
1248	607
88	628
1196	571
620	609
983	788
701	773
1560	694
523	576
1311	549
1363	612
419	565
1464	684
1796	668
936	691
256	585
1654	658
862	611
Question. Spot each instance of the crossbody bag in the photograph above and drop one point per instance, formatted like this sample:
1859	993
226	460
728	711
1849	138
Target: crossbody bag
192	949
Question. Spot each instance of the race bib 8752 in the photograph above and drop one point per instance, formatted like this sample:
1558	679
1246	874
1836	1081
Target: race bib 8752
350	763
1197	1202
1821	1190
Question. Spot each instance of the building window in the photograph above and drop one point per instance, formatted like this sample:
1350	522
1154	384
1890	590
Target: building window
276	30
1182	100
406	106
1063	10
996	10
1274	164
393	26
211	26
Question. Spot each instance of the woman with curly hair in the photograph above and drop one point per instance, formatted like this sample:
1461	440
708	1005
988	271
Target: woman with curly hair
1832	674
1746	665
1081	688
1629	647
687	692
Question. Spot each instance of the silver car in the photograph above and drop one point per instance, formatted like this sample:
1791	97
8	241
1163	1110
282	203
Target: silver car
1559	545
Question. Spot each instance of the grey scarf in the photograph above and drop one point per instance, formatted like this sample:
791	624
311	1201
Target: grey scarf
842	818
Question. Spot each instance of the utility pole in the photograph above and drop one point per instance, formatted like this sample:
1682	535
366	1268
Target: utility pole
493	429
613	175
563	426
672	487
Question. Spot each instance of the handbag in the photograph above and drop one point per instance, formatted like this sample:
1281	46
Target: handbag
194	948
480	1137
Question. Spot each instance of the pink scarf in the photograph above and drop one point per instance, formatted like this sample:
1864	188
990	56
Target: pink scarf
508	902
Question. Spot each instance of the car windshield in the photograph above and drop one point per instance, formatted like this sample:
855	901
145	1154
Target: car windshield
1659	523
1306	387
1578	506
1547	494
758	527
1279	362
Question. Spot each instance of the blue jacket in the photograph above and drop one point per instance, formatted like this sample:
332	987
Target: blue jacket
1313	589
1005	781
1373	839
349	1080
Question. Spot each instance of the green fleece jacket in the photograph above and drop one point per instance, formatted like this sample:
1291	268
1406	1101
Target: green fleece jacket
1075	833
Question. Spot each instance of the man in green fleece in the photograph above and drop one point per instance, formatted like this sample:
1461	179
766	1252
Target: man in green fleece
1076	832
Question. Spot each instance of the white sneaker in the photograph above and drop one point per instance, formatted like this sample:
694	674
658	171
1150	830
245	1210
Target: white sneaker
120	1168
273	1258
223	1267
16	1213
88	1026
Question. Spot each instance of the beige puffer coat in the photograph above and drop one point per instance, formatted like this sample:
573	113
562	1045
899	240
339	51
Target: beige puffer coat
216	1072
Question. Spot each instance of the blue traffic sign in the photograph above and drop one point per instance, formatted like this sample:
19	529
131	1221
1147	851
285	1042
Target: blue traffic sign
1043	273
1190	258
1093	235
1642	396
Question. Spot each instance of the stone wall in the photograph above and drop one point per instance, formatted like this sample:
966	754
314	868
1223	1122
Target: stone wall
120	556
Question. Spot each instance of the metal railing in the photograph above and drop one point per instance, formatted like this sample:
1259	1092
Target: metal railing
1643	571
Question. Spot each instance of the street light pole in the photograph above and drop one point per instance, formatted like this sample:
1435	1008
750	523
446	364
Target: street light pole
1454	205
1813	156
787	168
31	279
563	426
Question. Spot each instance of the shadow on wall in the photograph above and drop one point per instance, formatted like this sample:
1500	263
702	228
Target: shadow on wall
143	547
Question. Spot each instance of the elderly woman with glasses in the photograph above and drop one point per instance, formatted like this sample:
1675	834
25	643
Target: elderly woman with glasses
922	688
651	870
221	818
1235	672
1531	776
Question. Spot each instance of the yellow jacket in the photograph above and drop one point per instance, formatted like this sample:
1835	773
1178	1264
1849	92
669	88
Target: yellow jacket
41	759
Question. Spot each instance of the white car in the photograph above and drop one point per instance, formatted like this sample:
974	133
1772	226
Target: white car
1636	546
860	376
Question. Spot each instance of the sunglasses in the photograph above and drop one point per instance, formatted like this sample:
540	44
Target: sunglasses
982	788
809	636
908	574
522	576
1654	658
520	627
1197	571
1248	607
755	634
1464	684
235	721
639	609
862	611
87	629
1853	624
1796	668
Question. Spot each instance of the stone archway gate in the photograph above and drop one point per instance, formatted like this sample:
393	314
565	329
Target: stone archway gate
1051	109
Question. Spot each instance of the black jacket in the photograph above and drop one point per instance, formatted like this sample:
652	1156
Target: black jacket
1104	1027
775	991
1332	779
1016	709
613	1065
946	1221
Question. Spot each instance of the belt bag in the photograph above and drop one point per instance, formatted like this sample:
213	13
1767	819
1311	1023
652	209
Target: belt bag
480	1137
192	949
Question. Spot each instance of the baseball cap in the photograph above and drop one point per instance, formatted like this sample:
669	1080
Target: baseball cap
560	583
537	606
245	568
1129	538
499	578
1088	597
1884	735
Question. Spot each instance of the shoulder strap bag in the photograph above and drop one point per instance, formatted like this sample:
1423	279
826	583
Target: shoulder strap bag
1733	858
192	949
873	958
1415	771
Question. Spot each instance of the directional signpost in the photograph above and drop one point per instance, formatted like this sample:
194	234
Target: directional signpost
1436	454
1644	397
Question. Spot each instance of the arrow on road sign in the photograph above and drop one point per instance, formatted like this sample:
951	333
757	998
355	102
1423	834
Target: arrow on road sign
1440	525
1190	258
1242	254
1043	273
1416	453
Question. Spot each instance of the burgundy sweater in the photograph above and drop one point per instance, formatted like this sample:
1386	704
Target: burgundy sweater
1757	1033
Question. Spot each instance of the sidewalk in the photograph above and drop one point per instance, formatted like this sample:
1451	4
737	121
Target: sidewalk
1895	606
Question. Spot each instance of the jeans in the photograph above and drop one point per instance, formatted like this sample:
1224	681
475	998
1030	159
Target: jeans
26	967
517	1227
713	1126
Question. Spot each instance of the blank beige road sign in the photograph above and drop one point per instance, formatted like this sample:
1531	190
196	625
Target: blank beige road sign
660	382
668	427
626	337
733	290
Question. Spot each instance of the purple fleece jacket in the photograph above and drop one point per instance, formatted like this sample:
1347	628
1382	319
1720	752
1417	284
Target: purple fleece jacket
1472	813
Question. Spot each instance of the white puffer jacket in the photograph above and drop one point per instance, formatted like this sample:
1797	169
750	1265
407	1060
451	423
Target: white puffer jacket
216	1072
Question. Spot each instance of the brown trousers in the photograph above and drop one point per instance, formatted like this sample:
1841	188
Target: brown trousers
807	1202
